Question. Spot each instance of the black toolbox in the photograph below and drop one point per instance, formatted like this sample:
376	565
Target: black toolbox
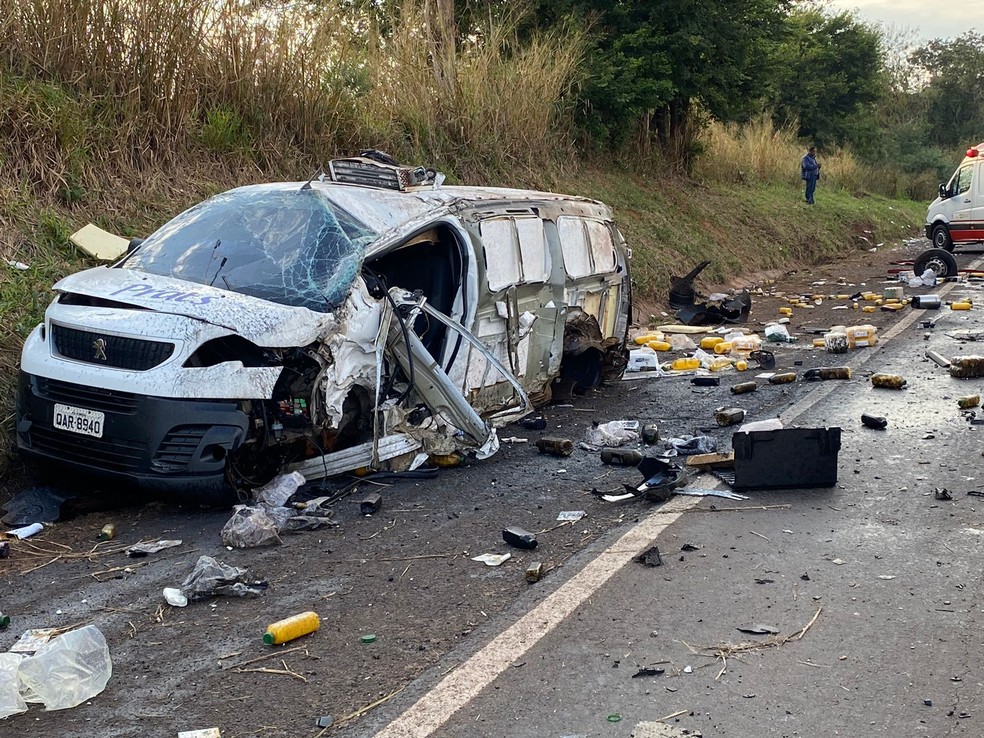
787	458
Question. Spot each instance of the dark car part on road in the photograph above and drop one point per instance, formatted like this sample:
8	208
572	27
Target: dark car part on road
874	421
789	458
705	381
683	299
650	557
765	359
519	538
537	423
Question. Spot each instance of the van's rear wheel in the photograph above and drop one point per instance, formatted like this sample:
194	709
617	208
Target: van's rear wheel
941	238
940	261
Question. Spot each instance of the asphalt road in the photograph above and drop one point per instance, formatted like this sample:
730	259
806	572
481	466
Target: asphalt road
462	649
883	576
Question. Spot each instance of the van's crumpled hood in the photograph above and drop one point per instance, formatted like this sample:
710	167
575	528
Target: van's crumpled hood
265	323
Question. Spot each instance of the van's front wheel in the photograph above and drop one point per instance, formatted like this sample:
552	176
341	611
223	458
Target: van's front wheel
941	238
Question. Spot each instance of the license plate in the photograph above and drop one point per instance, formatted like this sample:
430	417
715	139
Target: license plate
79	420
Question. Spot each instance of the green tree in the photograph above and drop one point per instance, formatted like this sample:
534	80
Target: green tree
829	76
955	92
656	64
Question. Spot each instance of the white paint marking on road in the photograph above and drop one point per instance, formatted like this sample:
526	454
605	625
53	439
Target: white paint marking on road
465	682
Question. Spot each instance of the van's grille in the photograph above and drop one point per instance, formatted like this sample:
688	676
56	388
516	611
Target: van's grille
179	446
93	398
110	455
106	349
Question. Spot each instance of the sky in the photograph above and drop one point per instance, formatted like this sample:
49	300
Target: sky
927	18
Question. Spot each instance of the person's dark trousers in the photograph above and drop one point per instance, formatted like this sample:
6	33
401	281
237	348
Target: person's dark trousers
811	186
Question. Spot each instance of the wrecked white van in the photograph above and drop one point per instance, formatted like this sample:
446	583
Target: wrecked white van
357	320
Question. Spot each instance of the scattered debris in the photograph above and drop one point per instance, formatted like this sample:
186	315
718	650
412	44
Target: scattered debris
650	557
519	538
140	550
492	559
725	416
689	547
325	721
888	381
534	572
938	358
250	527
758	629
31	640
18	265
570	515
724	651
711	461
211	577
621	456
35	505
693	492
200	733
876	422
26	532
612	434
942	493
649	671
554	446
537	423
715	309
68	670
969	401
967	367
371	504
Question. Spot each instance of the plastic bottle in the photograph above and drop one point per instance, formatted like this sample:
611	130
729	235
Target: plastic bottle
888	381
927	302
874	421
709	342
107	533
650	433
643	340
744	345
962	305
836	342
786	311
719	363
744	388
723	348
659	345
685	364
290	628
741	365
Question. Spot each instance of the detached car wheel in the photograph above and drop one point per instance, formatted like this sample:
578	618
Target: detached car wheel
940	261
941	238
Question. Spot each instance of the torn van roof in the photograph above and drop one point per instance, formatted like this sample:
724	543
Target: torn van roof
383	210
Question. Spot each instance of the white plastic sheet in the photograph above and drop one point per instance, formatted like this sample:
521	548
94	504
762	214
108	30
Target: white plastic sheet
67	670
11	701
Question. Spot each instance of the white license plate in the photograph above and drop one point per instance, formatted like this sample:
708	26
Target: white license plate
79	420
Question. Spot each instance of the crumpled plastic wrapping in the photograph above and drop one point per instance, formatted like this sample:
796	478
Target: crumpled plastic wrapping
690	445
608	435
250	527
211	577
67	670
11	701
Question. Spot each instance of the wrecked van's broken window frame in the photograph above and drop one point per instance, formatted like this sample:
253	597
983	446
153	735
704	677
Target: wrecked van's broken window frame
583	254
289	246
515	251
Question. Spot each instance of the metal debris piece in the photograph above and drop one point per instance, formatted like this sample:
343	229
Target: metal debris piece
758	629
650	557
942	493
692	492
649	671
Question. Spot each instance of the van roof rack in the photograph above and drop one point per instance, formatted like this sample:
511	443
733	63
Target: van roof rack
372	168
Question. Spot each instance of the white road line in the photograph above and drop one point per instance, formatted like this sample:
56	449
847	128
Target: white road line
463	684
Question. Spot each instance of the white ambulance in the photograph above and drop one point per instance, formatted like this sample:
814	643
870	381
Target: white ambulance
957	215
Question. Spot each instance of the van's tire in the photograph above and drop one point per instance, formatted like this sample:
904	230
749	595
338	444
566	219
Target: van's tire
940	261
941	238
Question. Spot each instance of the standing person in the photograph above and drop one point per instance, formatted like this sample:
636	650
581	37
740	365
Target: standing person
810	172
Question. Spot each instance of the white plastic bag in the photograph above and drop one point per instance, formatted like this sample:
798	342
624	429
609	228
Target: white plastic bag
250	527
67	670
611	435
11	701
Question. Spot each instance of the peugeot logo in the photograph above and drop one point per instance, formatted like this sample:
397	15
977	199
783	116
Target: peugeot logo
99	345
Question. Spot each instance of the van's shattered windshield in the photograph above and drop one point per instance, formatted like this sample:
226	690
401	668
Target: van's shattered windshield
291	246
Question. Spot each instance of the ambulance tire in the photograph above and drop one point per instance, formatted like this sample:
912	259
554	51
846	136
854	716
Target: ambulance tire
941	238
940	261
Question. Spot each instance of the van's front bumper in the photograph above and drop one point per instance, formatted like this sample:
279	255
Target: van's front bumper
162	444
